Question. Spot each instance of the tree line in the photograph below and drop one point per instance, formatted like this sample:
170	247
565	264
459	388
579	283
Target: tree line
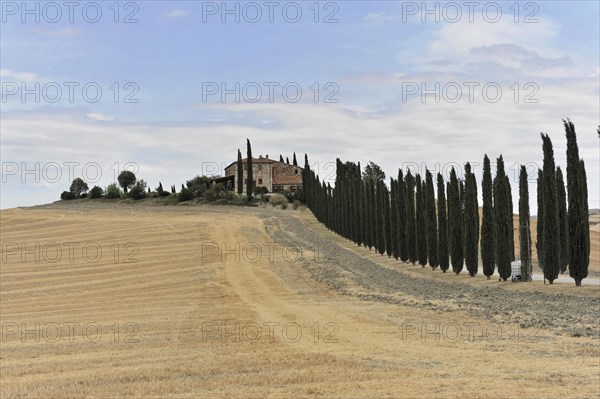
419	219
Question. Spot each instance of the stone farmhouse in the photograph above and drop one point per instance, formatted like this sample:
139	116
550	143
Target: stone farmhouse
274	175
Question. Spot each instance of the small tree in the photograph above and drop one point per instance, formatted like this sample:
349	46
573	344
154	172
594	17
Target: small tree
295	162
138	191
249	172
96	192
78	187
185	195
240	174
67	195
113	191
126	180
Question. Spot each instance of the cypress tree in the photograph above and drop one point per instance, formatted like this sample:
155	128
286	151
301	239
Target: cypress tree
455	224
488	257
402	239
471	219
240	174
551	232
364	212
579	232
295	163
524	221
503	220
421	223
280	158
380	217
442	225
287	160
563	221
585	213
249	172
394	217
432	234
387	221
373	214
511	224
540	219
410	218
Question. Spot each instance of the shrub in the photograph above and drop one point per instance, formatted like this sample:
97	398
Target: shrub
296	204
213	193
261	190
96	192
67	195
284	206
138	191
185	195
278	199
113	191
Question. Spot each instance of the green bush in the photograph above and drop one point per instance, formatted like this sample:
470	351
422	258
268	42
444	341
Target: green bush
278	199
67	195
284	206
138	191
96	192
214	193
185	195
113	191
296	204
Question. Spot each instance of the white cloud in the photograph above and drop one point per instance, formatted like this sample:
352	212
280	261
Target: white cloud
21	76
177	13
100	117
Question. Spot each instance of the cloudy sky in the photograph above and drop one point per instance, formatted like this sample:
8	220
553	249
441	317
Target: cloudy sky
172	89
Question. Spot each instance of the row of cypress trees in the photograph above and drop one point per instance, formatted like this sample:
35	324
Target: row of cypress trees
408	222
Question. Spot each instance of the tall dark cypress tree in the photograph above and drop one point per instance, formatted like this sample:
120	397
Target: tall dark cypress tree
563	221
281	158
402	238
421	223
394	217
539	246
295	161
579	232
410	218
240	174
488	256
524	221
442	225
249	174
551	232
387	219
471	219
455	224
503	221
380	217
432	234
511	224
373	214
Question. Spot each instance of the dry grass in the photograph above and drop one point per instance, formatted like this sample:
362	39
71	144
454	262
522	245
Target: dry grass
172	292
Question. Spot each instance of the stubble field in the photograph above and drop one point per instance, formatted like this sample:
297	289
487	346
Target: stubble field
210	301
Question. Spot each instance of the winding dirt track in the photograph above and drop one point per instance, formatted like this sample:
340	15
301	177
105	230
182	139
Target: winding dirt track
187	319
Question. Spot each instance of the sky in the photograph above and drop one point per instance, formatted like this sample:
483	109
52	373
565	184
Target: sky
172	89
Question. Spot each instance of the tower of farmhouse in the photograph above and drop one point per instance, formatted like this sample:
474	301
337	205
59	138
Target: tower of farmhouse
274	175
